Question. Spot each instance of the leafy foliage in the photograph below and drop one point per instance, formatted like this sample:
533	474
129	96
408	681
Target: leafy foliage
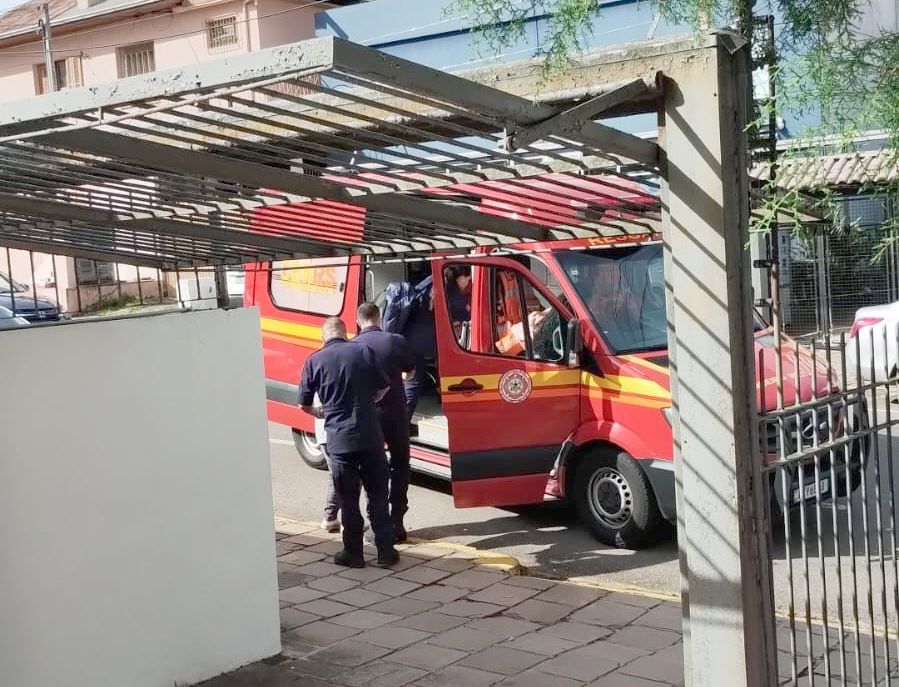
826	67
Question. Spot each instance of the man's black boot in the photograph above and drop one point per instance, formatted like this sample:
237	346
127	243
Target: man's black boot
399	532
348	560
387	557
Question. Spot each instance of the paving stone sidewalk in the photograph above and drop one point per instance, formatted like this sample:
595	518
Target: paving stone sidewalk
444	617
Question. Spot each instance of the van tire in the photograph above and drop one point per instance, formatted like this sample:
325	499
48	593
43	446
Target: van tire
309	450
615	500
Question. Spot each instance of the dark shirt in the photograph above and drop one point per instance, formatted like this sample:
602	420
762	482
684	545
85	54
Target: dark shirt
420	332
347	380
458	305
393	357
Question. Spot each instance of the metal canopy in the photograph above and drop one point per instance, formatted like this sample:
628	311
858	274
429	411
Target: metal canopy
318	148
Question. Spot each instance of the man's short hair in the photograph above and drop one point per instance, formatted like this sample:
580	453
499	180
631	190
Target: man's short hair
333	328
368	313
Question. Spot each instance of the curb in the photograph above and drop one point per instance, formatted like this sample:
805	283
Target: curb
497	561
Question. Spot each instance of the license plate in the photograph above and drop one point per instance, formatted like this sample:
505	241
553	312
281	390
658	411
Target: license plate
812	490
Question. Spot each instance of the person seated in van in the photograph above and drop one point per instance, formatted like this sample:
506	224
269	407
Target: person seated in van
542	323
421	335
458	297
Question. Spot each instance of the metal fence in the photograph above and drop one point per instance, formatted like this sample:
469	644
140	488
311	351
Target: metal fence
826	275
40	287
827	420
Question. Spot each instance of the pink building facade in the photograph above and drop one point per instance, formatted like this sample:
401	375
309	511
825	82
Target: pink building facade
95	42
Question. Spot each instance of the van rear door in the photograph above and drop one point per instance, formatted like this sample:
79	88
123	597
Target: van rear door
509	398
294	298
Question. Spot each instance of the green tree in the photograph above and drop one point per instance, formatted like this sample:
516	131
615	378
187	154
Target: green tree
825	66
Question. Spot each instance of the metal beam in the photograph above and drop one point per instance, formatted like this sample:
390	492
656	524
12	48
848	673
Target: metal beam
255	175
309	56
572	120
277	245
444	87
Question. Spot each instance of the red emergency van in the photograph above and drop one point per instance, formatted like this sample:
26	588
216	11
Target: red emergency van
558	387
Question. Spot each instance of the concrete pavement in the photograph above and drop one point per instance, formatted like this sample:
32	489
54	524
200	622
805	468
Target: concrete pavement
442	616
451	616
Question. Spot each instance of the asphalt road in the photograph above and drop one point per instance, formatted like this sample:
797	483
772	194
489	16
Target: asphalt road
548	540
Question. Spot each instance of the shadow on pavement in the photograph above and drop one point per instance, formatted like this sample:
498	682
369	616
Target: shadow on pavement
547	537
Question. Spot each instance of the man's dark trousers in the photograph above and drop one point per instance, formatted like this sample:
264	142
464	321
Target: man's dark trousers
366	469
396	436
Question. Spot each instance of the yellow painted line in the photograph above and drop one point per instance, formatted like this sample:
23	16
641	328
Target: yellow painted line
626	385
629	399
303	331
314	344
618	588
643	362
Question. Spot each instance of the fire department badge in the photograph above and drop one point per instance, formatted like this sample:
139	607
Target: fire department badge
515	386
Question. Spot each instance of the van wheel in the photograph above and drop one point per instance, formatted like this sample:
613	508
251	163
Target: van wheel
309	450
615	500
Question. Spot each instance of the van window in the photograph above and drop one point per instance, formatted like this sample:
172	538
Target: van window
457	284
624	291
542	273
315	286
525	324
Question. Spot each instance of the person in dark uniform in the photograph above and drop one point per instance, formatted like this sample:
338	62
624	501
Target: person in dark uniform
349	384
458	296
394	358
421	334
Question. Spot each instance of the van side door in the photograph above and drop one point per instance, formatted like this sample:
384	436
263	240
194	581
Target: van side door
509	397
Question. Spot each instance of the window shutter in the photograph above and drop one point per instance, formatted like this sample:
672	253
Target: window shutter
73	72
41	84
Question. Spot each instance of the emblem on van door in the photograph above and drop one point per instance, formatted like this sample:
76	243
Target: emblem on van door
515	386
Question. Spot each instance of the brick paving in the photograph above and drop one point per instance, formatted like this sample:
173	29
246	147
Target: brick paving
443	617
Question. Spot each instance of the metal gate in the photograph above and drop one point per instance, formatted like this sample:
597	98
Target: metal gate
826	275
43	287
827	419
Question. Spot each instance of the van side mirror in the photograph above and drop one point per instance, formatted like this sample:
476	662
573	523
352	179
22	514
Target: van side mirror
573	344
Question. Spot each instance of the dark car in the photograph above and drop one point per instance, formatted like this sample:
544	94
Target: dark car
17	298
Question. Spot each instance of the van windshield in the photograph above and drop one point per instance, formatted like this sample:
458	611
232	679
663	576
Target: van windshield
624	290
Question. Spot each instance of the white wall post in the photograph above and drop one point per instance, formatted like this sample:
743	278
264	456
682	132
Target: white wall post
728	613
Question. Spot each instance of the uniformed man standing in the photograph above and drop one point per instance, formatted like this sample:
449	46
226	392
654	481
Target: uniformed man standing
347	380
394	358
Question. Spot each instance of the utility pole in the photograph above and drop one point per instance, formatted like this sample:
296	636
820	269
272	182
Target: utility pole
44	28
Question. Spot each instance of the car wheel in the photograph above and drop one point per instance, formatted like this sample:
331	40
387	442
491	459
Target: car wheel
615	500
310	450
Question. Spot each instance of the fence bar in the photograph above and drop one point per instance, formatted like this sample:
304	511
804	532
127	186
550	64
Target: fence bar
12	291
834	511
723	541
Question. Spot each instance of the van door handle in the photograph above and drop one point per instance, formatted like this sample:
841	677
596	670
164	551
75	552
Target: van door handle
468	385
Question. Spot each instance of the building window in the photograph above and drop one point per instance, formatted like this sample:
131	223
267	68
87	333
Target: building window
68	75
135	59
221	33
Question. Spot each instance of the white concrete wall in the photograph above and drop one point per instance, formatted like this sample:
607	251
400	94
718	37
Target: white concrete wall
136	533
